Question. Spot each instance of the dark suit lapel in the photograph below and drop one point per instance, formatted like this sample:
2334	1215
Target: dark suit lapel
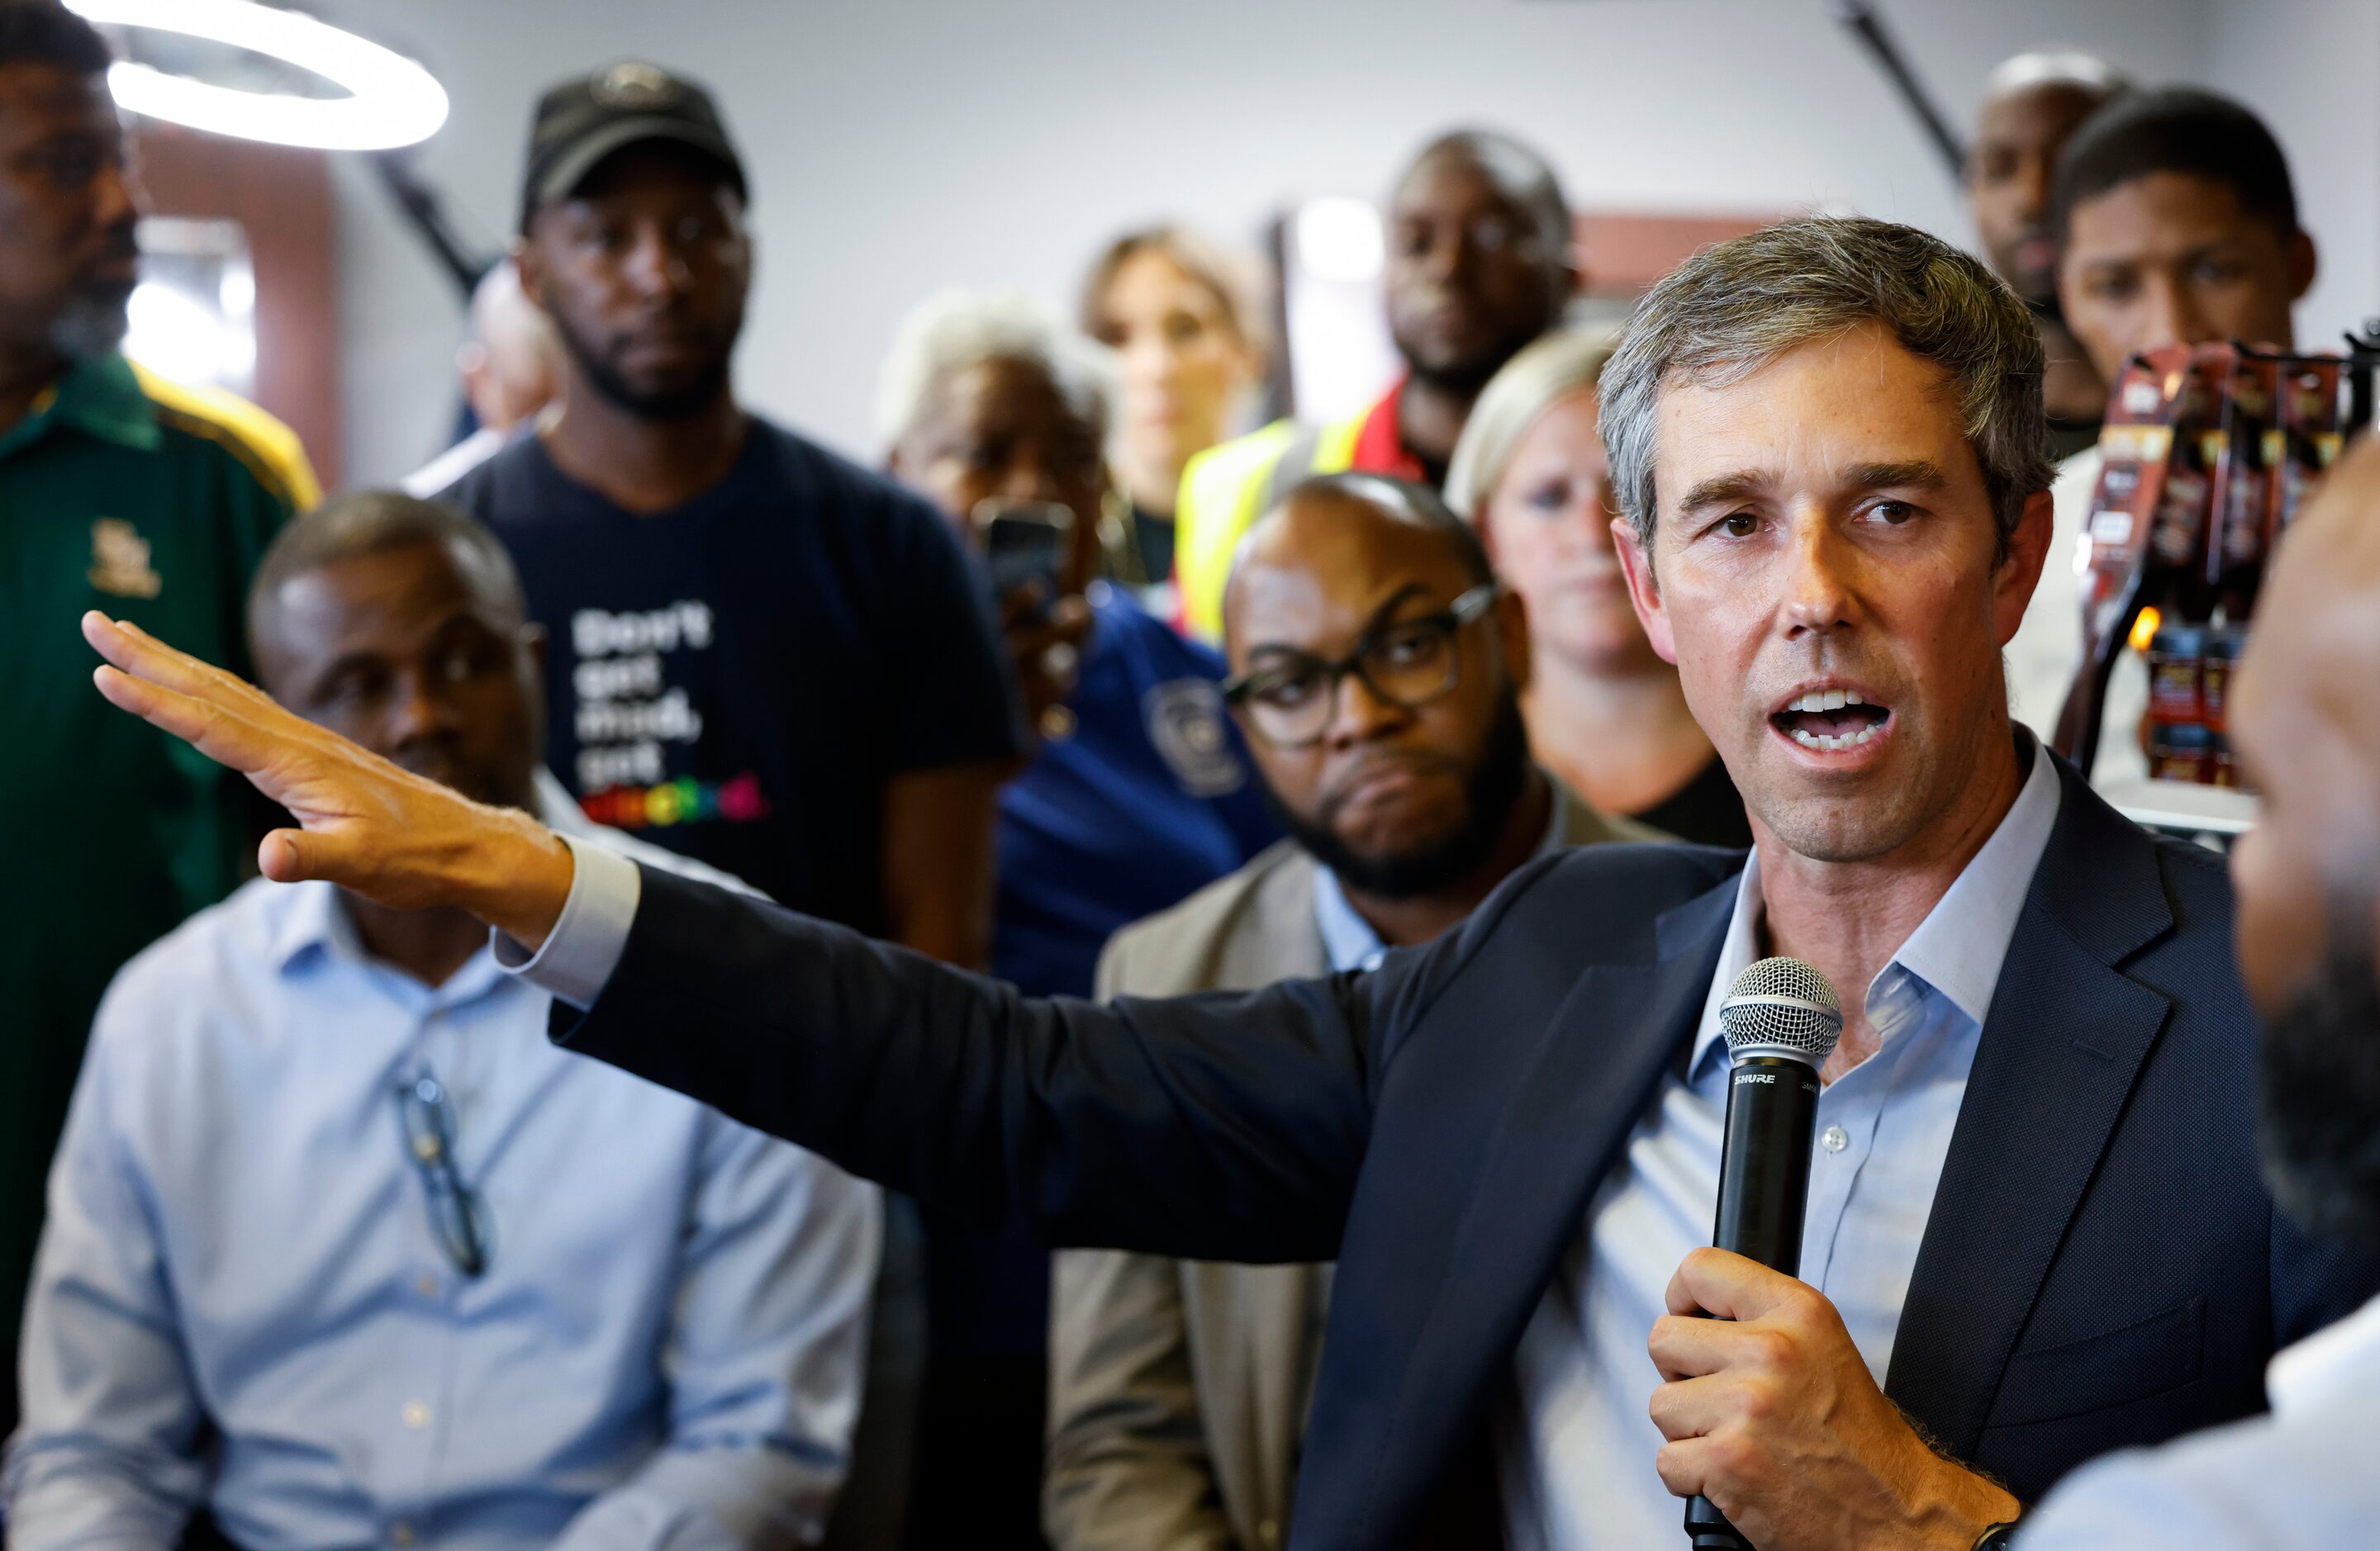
1591	1077
2059	1053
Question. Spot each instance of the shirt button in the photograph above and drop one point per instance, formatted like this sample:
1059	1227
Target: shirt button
1835	1139
426	1286
416	1414
400	1534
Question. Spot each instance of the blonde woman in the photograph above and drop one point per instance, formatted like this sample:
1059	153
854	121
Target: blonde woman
1185	316
1606	714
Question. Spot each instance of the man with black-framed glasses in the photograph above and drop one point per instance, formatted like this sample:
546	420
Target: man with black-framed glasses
1378	668
343	1251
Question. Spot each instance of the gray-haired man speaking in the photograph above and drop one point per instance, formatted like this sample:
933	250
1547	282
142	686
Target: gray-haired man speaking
2035	1227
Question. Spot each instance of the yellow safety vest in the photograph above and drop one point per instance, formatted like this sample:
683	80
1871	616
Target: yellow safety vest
1227	488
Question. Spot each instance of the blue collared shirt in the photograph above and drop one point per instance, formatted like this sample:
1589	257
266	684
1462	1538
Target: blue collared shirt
1577	1450
241	1298
1348	940
2299	1477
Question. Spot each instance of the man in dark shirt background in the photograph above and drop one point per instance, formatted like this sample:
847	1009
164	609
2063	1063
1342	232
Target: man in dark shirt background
762	656
2032	106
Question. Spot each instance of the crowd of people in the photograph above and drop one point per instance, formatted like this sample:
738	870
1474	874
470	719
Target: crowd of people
1336	834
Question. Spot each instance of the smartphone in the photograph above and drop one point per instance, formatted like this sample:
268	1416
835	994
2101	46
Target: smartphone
1023	543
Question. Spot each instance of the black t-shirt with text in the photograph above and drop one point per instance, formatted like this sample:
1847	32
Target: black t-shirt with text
738	679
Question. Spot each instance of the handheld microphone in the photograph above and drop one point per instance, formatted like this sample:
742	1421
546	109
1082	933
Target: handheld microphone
1780	1020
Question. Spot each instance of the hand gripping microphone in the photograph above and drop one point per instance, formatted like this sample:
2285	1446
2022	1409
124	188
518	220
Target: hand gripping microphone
1780	1020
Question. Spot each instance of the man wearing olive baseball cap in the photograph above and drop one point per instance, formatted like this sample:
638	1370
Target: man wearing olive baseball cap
582	121
761	655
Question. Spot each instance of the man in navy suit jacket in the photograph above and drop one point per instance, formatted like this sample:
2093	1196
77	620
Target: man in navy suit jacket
2036	1226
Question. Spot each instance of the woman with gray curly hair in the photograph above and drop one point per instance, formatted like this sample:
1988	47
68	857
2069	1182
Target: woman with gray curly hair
1606	714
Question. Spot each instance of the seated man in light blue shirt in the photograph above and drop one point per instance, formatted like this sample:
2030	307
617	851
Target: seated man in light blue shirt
2306	716
344	1250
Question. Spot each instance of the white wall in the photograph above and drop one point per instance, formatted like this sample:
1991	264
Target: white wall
897	145
2312	68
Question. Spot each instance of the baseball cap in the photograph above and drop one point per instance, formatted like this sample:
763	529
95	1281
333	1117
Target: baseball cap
586	118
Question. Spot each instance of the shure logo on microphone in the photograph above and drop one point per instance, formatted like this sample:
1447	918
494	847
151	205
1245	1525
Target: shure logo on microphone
1755	1077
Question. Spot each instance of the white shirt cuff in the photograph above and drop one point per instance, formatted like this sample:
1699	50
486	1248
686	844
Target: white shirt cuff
587	941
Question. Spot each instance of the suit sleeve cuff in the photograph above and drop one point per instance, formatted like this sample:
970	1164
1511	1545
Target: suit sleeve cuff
585	946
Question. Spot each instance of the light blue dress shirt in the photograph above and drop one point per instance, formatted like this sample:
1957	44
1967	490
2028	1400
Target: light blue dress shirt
241	1298
1348	940
1576	1450
2299	1478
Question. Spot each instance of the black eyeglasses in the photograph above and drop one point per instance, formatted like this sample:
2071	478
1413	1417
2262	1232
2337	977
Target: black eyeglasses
456	1210
1408	662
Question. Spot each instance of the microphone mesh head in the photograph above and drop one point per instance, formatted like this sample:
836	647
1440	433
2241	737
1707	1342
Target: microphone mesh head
1782	1007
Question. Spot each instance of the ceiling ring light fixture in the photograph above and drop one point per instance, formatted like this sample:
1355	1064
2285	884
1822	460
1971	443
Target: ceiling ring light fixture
392	102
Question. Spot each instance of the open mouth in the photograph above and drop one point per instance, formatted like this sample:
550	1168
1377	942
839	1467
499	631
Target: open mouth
1826	719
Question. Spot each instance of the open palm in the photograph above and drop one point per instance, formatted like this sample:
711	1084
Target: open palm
364	823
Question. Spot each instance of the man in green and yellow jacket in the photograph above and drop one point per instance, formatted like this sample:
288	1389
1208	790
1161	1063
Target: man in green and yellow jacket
118	490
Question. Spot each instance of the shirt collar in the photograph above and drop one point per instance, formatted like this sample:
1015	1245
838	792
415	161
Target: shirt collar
1348	940
2337	1362
1557	819
100	397
311	918
314	924
1959	948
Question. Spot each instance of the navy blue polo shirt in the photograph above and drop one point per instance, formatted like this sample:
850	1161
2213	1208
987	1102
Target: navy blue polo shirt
739	678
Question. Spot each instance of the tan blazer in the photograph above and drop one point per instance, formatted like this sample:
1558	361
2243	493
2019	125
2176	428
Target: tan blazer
1178	1388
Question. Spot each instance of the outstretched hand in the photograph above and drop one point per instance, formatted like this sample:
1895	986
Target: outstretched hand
364	824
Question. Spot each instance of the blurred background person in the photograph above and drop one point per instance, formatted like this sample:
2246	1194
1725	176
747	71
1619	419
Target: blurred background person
348	1252
764	655
1379	673
1139	794
511	367
1140	790
118	490
2306	711
1186	319
2031	104
2177	223
1606	714
1478	264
